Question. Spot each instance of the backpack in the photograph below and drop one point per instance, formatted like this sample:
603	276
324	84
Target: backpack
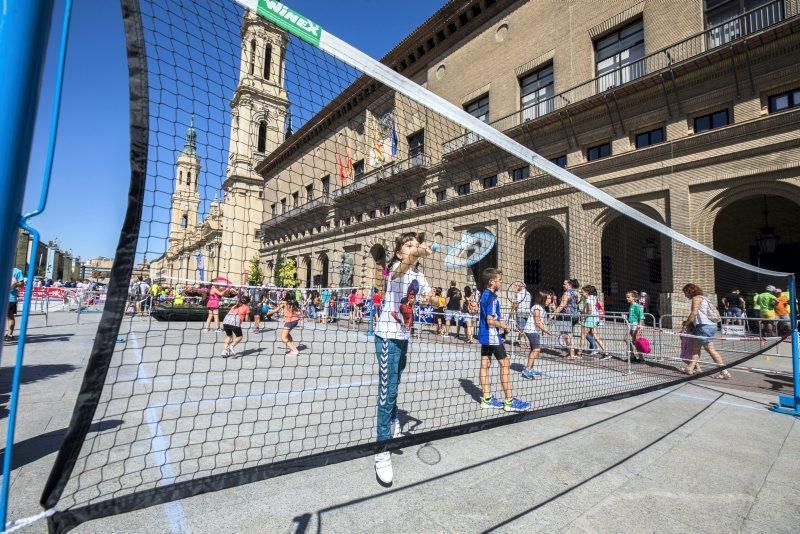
601	311
713	312
642	345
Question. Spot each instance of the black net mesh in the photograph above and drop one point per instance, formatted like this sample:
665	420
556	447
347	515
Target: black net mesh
317	244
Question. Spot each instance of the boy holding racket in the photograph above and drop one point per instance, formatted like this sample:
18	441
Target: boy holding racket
490	334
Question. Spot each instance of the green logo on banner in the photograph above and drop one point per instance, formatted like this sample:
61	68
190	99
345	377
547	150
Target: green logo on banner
290	20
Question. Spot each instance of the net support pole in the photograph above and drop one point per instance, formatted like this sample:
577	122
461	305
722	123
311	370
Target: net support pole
790	404
24	27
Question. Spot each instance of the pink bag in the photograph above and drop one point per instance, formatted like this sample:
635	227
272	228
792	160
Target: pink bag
686	349
642	345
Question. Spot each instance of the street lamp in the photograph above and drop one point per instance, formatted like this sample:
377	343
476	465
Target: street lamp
767	240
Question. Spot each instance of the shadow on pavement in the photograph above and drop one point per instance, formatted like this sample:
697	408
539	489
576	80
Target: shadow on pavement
45	338
471	389
32	449
30	374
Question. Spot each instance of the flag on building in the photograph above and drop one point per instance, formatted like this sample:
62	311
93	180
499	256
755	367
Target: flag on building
201	266
349	160
378	150
395	140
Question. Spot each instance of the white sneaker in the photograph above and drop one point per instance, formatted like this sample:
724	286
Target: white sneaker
206	330
397	430
292	353
226	353
383	467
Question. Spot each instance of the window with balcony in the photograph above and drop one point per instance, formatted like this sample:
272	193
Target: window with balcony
360	217
420	201
373	214
711	121
787	100
489	181
416	144
520	174
273	210
479	108
441	195
727	20
463	189
561	161
386	210
617	56
599	151
652	137
295	199
326	186
402	206
310	193
283	205
536	93
358	169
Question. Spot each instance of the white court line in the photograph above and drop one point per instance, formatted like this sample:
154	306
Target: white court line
158	449
728	403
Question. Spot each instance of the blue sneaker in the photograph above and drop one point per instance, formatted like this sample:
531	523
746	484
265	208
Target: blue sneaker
491	402
530	374
516	405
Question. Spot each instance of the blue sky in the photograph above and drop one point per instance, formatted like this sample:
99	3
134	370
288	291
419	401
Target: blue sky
91	171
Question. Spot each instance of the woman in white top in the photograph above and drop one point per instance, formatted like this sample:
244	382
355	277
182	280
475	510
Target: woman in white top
703	329
404	287
534	328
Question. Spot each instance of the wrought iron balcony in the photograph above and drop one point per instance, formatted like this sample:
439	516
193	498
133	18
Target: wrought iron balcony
415	164
303	210
737	28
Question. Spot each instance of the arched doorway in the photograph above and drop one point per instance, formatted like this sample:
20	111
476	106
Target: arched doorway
762	230
545	259
378	255
324	264
632	260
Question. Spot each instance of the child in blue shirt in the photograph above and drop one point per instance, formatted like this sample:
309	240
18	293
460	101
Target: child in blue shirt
490	335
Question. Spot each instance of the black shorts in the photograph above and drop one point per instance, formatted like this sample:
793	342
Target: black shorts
232	331
12	309
498	351
534	340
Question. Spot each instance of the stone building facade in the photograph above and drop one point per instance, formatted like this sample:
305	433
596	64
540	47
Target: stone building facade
686	110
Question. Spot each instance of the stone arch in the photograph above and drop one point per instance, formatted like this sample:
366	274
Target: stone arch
305	263
544	253
740	227
633	257
323	268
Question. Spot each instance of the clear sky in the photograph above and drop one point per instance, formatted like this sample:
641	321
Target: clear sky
91	173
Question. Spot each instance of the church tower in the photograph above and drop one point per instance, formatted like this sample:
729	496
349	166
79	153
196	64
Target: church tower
258	114
185	198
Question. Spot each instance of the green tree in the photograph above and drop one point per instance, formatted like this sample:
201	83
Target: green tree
287	273
256	276
276	273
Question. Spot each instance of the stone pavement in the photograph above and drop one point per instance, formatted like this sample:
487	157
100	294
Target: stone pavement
690	458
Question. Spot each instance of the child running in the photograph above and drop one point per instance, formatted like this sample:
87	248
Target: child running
592	321
489	328
534	328
232	324
291	316
635	317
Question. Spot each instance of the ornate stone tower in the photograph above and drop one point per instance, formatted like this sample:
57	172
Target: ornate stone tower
185	198
258	114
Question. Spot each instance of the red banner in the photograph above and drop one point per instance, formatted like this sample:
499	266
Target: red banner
40	293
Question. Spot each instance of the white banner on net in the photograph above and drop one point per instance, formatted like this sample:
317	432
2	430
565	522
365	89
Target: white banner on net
306	30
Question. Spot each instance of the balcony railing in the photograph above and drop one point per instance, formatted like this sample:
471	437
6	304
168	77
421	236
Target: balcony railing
304	209
419	162
736	28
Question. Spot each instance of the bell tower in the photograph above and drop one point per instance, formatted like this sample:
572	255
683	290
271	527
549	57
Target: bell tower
258	114
185	198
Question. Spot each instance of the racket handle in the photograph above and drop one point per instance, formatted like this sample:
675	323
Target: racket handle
436	247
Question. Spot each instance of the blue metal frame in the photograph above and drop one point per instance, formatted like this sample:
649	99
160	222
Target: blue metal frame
23	38
790	404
